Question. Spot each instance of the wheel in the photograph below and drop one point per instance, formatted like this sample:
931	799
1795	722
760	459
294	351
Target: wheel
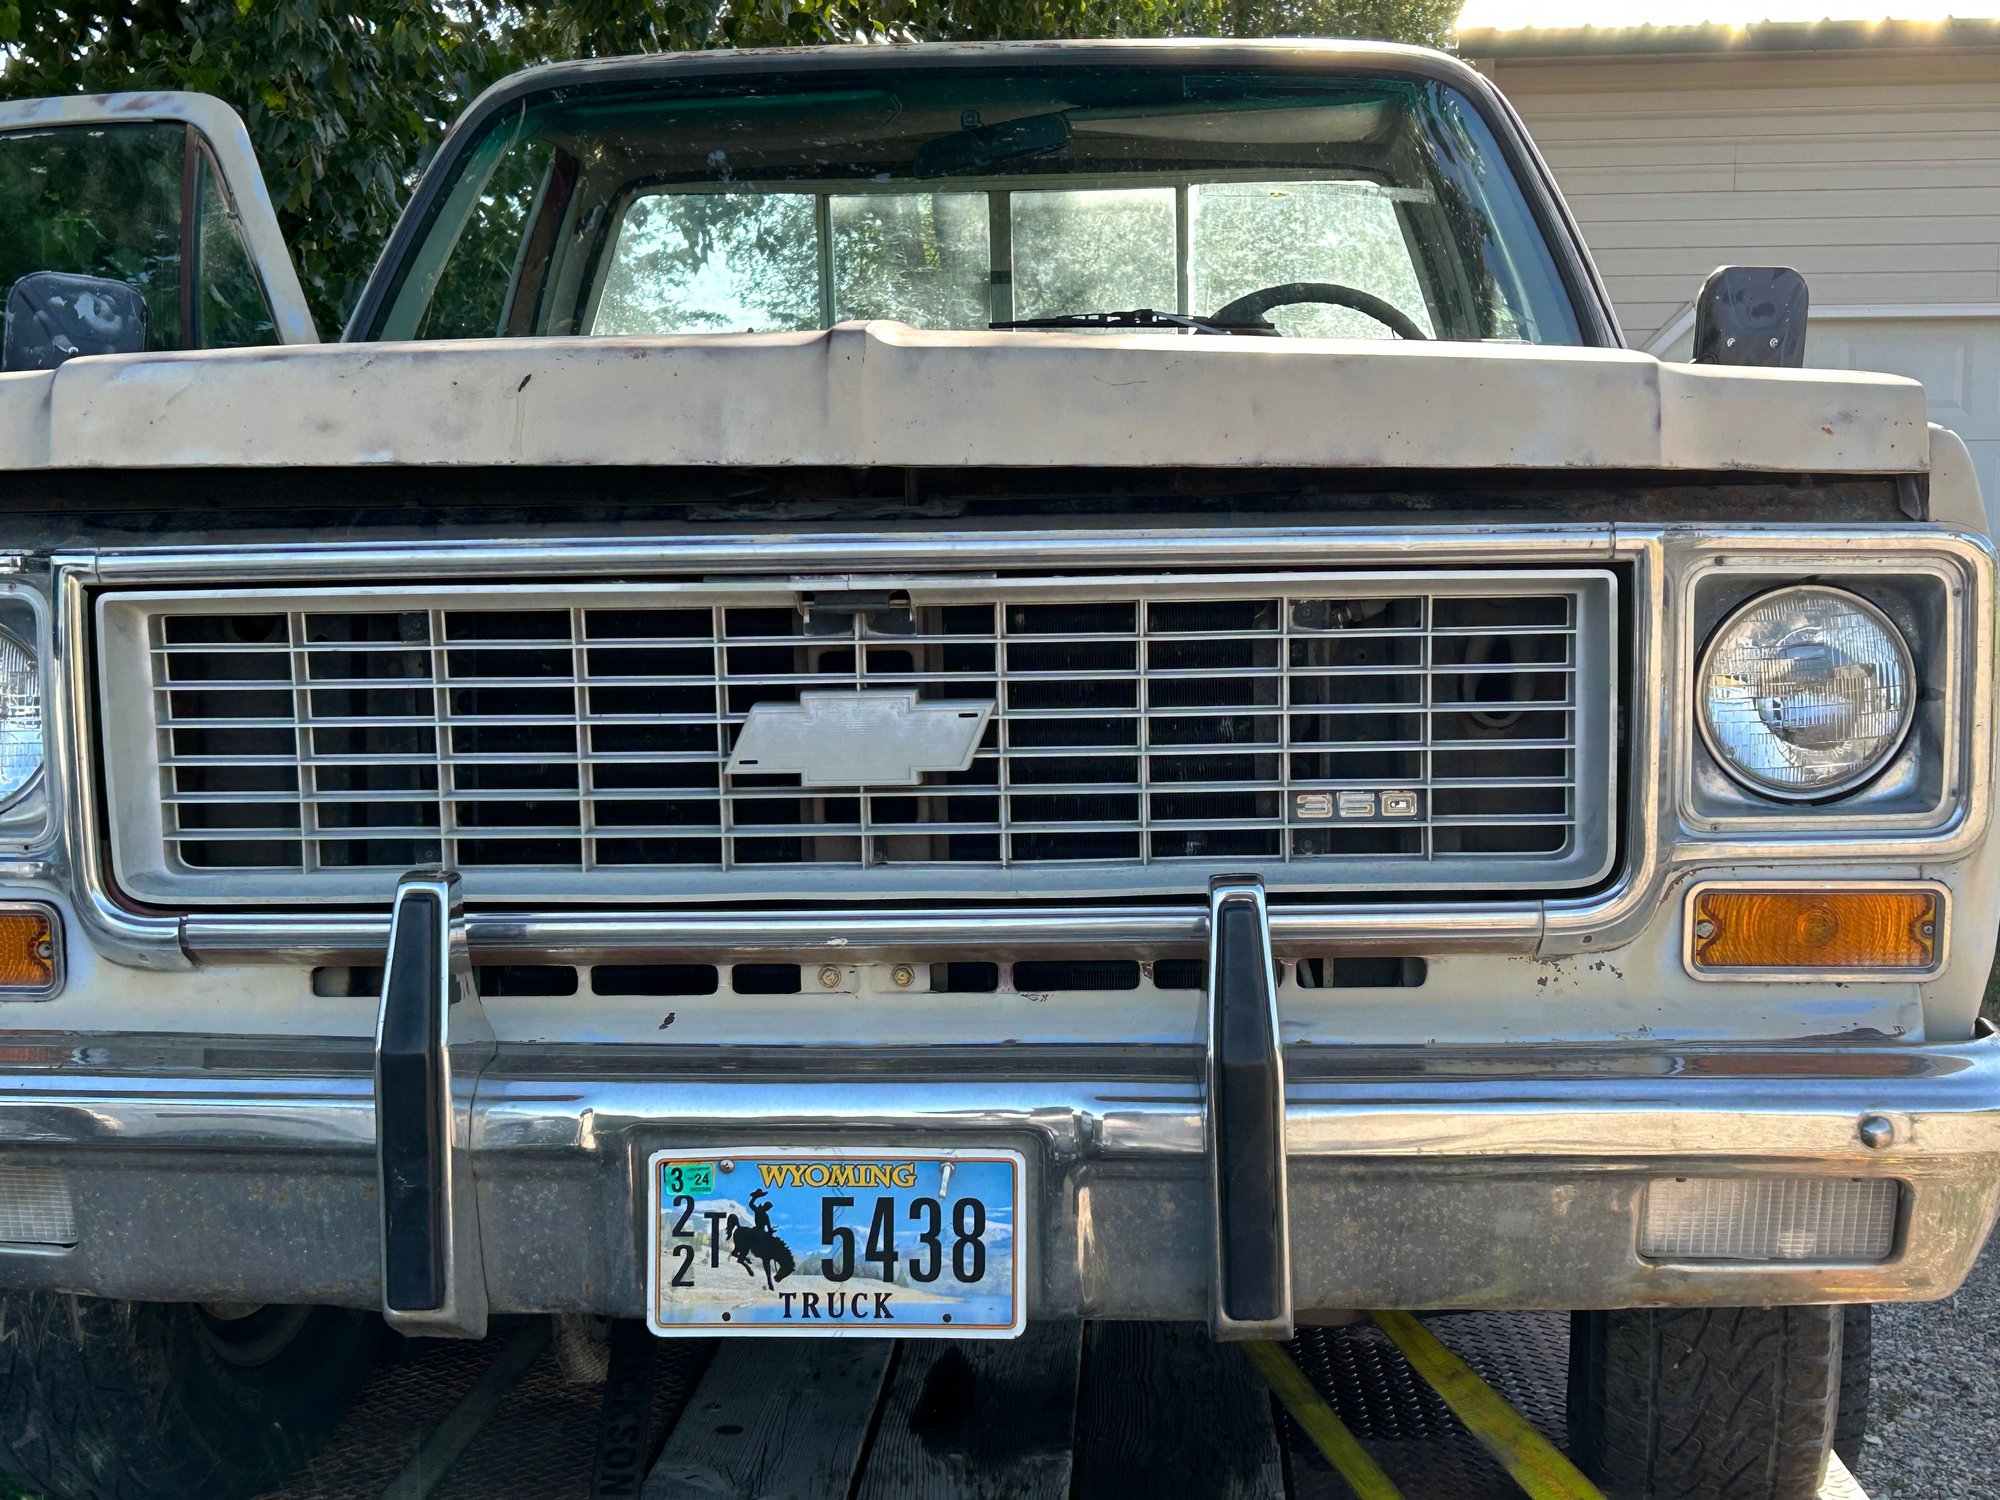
1721	1403
104	1400
1857	1363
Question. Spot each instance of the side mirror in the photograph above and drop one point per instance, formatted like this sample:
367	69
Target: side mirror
1751	315
54	315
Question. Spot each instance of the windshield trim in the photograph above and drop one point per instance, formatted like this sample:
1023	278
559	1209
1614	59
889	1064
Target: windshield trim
1592	306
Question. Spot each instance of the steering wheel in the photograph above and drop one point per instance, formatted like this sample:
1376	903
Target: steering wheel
1253	307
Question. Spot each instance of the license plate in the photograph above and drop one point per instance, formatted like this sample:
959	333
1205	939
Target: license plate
829	1243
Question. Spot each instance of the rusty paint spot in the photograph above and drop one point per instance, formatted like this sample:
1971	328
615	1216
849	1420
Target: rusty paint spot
669	1020
524	382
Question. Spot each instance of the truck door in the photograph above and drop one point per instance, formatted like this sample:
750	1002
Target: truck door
138	222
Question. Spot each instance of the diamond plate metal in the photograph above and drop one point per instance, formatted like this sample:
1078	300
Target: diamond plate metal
1402	1423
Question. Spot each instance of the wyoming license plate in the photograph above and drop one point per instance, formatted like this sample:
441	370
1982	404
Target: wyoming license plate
820	1243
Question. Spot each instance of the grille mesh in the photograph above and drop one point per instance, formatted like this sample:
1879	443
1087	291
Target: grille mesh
1350	723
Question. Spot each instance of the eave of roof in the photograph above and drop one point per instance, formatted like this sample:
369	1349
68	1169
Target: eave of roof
1756	36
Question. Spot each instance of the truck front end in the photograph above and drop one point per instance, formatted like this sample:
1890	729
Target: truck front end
578	821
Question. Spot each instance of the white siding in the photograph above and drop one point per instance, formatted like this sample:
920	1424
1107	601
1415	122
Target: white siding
1876	174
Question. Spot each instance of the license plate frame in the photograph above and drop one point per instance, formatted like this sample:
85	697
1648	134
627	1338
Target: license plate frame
996	1303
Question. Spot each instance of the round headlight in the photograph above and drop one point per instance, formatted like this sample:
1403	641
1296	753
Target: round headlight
20	719
1806	692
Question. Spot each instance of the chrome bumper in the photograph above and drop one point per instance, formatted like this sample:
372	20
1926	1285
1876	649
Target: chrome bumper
1430	1177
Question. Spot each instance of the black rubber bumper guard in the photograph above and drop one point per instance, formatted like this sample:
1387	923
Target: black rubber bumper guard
432	1281
431	1276
1250	1294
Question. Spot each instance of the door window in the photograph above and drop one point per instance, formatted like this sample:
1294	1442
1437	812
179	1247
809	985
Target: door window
142	204
230	311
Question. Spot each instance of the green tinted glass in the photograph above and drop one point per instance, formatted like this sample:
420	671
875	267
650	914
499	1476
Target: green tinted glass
105	200
98	201
232	309
955	197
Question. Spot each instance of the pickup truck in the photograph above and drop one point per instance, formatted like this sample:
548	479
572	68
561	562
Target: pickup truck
892	690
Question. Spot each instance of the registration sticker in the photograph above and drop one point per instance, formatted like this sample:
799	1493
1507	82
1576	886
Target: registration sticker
836	1242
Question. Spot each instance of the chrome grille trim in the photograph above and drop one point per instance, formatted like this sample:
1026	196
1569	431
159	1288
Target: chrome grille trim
1248	692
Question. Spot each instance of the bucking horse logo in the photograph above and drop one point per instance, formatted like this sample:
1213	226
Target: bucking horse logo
760	1240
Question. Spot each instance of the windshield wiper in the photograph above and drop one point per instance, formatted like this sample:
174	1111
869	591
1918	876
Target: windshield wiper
1146	317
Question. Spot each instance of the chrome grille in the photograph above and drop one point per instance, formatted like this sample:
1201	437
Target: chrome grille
1331	731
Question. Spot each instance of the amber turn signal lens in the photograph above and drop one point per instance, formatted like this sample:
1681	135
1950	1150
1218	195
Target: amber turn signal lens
27	951
1816	930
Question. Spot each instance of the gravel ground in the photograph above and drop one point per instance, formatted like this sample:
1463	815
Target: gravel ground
1934	1430
1934	1424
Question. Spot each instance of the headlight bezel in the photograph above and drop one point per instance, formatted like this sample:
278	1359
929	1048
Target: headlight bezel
1933	589
1866	771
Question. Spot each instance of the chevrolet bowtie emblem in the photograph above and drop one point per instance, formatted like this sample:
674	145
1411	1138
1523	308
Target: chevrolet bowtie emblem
860	739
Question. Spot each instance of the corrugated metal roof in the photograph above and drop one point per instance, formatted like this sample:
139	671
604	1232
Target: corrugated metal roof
1754	36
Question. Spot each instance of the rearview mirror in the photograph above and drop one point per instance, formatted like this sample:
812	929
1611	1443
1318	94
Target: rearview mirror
979	146
54	315
1751	315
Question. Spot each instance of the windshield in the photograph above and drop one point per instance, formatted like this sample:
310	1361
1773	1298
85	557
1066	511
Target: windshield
957	197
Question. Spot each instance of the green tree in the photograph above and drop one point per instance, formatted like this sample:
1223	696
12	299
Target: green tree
345	100
606	28
341	100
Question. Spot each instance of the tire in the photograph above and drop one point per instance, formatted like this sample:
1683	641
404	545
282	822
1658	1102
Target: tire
1857	1364
104	1400
1705	1403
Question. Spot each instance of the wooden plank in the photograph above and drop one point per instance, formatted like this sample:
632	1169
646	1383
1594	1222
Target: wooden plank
1838	1484
979	1421
775	1419
1167	1412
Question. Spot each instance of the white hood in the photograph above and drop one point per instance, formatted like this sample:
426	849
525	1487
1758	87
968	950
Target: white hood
886	394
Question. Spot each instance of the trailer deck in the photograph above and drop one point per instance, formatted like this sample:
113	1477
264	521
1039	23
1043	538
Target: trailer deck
1086	1411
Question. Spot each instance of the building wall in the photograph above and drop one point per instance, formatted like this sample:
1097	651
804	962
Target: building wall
1876	175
